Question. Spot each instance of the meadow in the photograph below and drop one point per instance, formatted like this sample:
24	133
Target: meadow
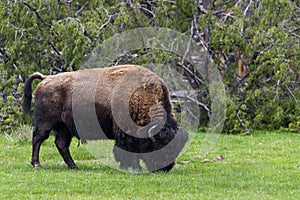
264	165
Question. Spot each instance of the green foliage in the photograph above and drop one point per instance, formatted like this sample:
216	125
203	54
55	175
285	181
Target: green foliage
265	41
58	36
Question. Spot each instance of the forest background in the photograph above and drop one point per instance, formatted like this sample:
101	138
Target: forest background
254	43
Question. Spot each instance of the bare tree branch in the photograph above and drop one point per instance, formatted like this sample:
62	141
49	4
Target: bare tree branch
80	10
54	48
36	13
110	17
84	31
291	93
147	10
241	121
247	8
184	95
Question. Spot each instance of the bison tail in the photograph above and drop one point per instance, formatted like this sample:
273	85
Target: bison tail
28	90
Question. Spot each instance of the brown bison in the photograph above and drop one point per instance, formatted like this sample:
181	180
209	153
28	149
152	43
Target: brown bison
130	103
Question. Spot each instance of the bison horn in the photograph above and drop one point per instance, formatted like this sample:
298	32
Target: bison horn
153	131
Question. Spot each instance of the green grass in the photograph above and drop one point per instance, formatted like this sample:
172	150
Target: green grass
265	165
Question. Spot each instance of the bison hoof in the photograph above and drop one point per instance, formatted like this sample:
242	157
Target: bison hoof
36	164
73	167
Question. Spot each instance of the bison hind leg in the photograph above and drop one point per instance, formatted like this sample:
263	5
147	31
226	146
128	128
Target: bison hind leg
40	134
62	141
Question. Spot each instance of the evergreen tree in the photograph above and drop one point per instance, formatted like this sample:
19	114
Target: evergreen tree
255	44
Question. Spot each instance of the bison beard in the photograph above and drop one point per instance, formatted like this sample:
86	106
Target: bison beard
155	137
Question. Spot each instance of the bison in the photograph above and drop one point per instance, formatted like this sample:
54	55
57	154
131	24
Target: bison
130	103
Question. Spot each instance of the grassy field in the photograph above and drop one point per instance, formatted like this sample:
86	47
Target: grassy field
265	165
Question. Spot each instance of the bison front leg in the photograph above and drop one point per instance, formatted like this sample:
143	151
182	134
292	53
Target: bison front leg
38	137
62	141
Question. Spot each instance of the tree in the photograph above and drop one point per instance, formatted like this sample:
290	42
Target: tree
254	43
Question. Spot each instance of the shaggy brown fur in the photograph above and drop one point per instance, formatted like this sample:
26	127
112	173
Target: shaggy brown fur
149	107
